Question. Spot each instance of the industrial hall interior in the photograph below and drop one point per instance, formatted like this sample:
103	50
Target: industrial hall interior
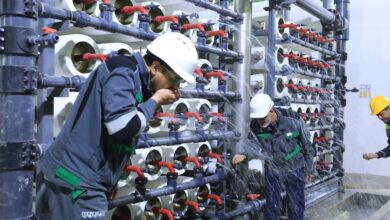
194	110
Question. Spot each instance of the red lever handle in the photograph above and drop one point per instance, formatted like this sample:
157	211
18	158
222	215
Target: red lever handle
162	19
165	212
131	9
191	159
48	30
214	155
93	56
106	2
165	114
329	41
302	60
192	204
220	33
292	86
89	2
216	198
199	72
196	115
138	170
291	26
218	74
187	27
302	88
170	166
252	197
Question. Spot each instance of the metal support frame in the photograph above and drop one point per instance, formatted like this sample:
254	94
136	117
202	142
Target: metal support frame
18	150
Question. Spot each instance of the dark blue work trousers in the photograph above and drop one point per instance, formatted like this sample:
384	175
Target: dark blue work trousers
294	183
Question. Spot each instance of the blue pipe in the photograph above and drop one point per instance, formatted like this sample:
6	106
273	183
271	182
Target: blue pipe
74	82
144	141
219	51
296	40
167	190
217	8
211	95
82	19
248	207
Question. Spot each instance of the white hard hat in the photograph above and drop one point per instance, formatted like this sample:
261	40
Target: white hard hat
178	52
260	105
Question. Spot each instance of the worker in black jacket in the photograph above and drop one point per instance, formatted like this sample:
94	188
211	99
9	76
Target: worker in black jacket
85	161
288	155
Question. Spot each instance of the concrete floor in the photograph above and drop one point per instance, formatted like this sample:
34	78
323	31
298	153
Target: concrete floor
366	197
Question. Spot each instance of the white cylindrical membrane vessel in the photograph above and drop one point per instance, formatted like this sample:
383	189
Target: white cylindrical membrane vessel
161	125
209	40
124	19
307	110
62	107
173	153
197	150
257	83
158	11
279	58
280	31
174	203
144	158
144	210
115	48
280	86
294	107
196	194
68	52
212	82
74	5
201	106
186	20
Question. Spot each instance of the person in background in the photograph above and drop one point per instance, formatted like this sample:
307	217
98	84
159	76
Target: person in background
286	148
380	106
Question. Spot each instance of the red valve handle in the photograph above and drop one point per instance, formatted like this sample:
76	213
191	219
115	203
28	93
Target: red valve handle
292	86
48	30
196	115
192	204
89	2
220	33
199	72
214	155
106	2
167	213
252	197
138	170
220	116
302	88
216	198
218	74
132	9
291	26
162	19
191	159
198	26
170	166
93	56
165	114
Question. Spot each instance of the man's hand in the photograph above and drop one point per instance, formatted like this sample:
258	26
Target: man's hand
166	96
238	158
310	178
369	156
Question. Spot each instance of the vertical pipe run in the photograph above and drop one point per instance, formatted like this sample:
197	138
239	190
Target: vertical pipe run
45	103
271	52
242	69
16	120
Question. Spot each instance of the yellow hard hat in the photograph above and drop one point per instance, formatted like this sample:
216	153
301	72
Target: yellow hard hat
378	104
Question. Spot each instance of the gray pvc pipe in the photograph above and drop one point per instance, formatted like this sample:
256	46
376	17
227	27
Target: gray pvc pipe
317	10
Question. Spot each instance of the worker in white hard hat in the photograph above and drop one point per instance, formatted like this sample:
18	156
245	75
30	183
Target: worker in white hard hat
380	107
83	165
287	151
